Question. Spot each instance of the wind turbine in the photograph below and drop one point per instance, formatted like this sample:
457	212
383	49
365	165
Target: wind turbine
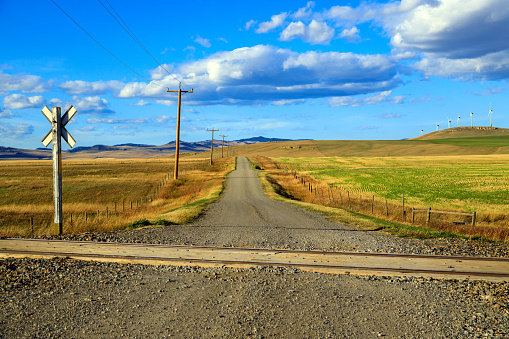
459	125
472	118
491	116
449	121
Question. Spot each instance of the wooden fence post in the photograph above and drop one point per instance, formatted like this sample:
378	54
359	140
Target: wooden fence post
404	214
413	215
386	208
86	216
473	218
349	203
360	203
428	217
372	204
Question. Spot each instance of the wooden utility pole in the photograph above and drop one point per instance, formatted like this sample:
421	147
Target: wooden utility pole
212	142
177	142
222	145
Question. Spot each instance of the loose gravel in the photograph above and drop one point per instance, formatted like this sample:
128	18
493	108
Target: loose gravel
65	298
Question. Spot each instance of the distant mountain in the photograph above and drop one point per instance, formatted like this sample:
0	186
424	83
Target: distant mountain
125	151
255	140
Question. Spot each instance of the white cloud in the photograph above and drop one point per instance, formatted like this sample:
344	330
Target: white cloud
288	102
20	101
159	72
223	40
350	34
202	41
141	103
79	87
493	66
315	33
15	131
92	105
390	116
22	82
249	24
382	97
304	12
192	49
275	21
6	113
263	74
453	28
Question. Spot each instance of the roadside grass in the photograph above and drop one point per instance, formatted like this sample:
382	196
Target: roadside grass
98	195
283	186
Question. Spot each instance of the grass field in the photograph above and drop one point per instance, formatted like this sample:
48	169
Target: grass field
103	191
455	183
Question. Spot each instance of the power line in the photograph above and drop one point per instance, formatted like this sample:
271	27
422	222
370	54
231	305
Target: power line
200	111
133	36
113	55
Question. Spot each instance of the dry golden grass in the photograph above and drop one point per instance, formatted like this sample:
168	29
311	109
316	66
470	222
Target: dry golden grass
98	194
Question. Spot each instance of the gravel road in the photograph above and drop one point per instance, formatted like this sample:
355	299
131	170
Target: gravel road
246	217
70	298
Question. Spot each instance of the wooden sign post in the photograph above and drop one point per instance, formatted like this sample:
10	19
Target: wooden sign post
58	130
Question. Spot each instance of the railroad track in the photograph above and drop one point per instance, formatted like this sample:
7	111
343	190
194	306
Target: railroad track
477	268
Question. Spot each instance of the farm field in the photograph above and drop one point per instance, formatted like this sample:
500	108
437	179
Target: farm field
453	183
104	194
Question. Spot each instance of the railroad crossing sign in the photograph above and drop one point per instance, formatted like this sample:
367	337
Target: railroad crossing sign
54	119
58	130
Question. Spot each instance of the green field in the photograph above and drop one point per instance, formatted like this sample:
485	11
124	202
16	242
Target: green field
454	183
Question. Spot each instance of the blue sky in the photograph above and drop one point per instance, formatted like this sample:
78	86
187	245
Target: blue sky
289	69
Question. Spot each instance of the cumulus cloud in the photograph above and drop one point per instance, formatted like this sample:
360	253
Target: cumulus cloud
453	28
262	74
202	41
159	72
315	33
79	87
304	12
92	105
494	66
22	82
20	101
275	21
350	34
15	131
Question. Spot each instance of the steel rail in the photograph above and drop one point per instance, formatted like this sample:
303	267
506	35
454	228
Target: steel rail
372	254
255	263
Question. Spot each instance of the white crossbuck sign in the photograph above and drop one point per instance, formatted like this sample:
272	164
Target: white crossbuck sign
63	121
